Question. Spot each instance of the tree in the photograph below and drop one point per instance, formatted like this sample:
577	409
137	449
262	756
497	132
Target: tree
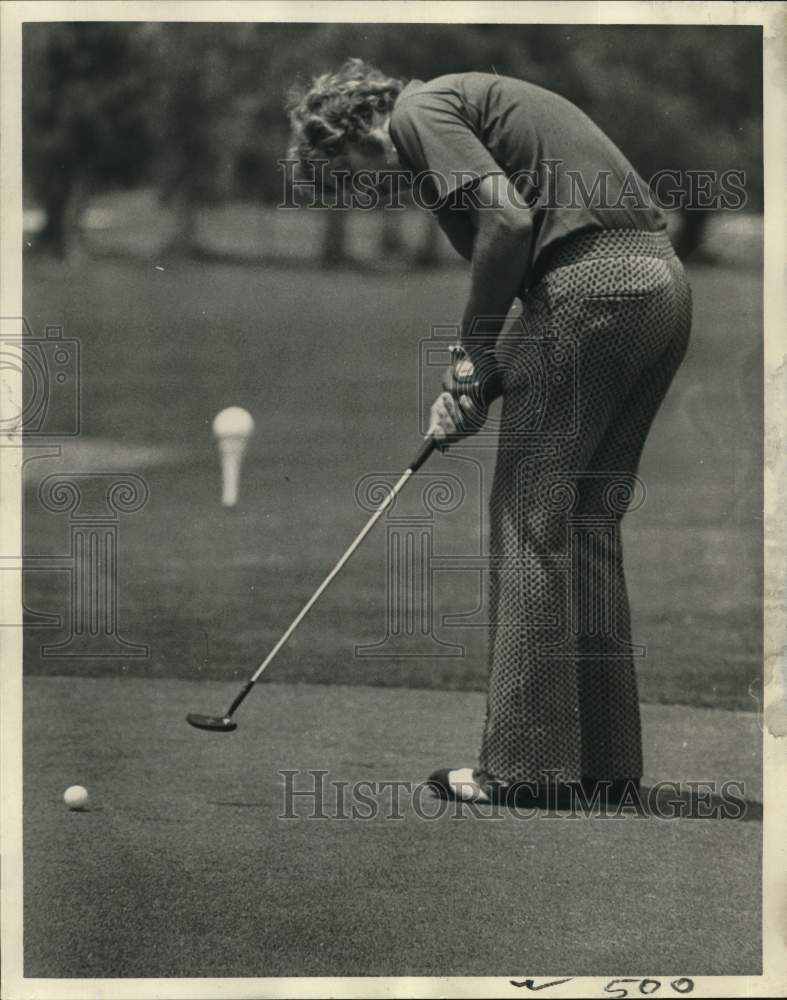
678	98
85	118
672	97
200	108
202	113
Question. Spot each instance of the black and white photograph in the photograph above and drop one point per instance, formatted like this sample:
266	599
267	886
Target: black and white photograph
392	484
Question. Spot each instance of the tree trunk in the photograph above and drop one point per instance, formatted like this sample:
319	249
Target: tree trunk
428	252
392	242
334	239
183	242
63	204
691	233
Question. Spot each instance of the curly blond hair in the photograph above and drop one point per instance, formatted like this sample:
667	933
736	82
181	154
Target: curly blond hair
336	108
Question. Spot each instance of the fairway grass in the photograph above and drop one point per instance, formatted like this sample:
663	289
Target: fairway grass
328	364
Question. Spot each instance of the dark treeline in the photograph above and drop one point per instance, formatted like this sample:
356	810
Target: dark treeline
197	110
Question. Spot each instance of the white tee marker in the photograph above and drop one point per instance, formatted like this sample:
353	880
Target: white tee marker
232	429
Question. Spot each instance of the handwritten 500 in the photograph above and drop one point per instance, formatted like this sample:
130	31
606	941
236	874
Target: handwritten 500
645	987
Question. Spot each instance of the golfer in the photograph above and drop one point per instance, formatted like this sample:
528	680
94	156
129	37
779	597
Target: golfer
547	210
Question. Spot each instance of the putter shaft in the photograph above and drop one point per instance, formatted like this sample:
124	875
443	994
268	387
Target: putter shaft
428	447
333	573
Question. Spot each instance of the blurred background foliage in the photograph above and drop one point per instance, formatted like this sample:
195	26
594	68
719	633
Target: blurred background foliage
195	111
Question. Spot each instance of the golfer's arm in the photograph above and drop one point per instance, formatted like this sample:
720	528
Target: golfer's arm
459	229
501	254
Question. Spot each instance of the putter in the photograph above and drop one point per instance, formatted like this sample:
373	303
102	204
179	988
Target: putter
224	723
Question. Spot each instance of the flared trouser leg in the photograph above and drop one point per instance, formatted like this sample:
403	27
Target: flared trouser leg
584	377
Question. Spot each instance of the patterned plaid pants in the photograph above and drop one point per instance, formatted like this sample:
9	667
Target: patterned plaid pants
602	336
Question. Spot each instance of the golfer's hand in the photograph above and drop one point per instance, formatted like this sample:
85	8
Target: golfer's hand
470	385
452	419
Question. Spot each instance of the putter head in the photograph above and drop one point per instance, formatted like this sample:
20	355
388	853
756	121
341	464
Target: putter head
213	723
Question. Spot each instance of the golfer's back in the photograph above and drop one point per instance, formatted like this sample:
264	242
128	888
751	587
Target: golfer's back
572	175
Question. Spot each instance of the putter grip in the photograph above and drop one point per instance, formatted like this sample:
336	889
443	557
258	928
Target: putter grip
428	447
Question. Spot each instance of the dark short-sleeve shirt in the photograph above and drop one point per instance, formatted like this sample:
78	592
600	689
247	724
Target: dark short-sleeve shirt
456	129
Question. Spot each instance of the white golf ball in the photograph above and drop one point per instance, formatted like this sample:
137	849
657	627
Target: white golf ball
234	421
75	797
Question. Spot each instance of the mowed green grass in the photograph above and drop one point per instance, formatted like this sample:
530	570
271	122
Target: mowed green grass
328	363
185	864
